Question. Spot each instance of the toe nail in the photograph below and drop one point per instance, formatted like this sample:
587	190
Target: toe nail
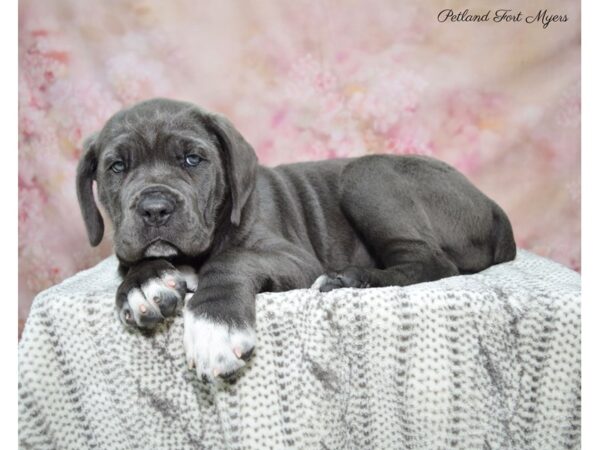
143	309
216	372
237	352
170	282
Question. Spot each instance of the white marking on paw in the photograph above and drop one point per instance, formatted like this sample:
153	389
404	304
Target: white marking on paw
155	293
140	304
156	289
190	276
214	348
320	282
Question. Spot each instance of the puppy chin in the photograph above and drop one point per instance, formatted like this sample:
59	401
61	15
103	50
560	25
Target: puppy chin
160	249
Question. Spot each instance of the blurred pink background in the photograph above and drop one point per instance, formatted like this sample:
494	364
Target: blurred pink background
305	80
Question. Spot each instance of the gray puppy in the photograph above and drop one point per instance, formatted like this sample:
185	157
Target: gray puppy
182	186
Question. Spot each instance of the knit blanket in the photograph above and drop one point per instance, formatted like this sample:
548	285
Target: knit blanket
485	361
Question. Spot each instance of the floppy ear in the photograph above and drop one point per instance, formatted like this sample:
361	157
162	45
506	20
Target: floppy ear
240	163
86	173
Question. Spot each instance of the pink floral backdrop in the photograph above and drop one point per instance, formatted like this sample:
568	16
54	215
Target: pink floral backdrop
305	80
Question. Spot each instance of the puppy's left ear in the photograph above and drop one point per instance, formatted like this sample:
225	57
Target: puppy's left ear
86	174
240	163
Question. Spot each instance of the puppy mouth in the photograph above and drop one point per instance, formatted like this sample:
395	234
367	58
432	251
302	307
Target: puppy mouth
160	249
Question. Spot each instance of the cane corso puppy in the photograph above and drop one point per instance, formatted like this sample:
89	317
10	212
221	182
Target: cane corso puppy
182	186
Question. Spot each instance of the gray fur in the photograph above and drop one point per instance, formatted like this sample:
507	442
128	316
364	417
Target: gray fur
378	220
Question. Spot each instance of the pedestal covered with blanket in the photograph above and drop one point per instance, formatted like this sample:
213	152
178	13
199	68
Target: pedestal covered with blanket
486	361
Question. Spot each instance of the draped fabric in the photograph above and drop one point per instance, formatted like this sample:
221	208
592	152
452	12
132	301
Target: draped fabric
485	361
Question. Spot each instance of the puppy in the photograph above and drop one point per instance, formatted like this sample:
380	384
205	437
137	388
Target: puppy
182	186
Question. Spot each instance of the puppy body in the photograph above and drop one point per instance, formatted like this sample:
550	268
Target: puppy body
378	220
381	210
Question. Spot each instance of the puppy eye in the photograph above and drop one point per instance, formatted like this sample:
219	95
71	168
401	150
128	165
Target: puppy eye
117	166
192	160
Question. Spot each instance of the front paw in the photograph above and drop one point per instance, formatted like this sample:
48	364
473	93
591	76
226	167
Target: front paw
150	294
217	350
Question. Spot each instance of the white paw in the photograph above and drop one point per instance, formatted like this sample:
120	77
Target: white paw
215	349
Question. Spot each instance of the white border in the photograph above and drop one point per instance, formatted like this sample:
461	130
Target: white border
9	226
590	222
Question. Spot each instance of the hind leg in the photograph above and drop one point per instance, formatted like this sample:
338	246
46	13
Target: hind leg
408	266
386	212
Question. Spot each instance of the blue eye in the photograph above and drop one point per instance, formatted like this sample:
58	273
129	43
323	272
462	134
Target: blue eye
117	167
192	160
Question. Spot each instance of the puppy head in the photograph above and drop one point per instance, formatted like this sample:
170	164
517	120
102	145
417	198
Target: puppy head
166	173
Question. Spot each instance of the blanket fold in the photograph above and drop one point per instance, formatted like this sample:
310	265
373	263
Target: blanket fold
486	361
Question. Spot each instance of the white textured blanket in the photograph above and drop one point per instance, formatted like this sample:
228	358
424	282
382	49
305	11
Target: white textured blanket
485	361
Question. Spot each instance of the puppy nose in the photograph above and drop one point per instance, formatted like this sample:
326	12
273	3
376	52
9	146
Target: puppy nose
155	209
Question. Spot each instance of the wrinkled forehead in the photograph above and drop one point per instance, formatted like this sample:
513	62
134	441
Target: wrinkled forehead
153	136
